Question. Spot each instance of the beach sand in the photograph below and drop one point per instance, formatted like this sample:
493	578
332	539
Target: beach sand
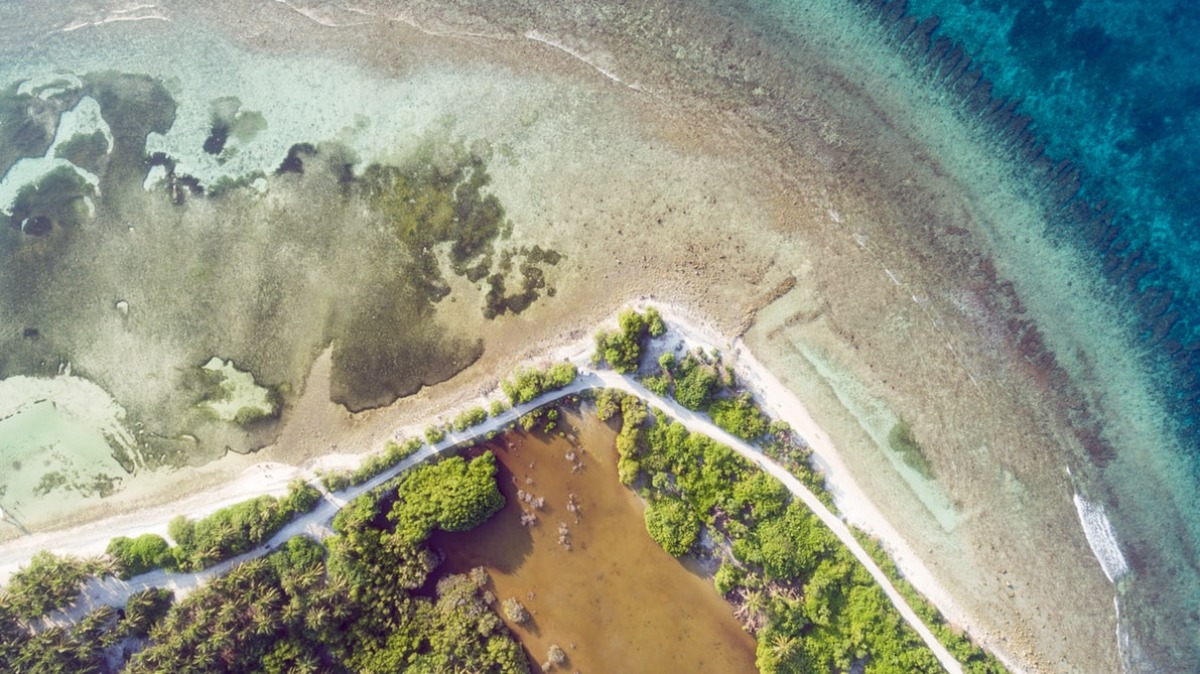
795	203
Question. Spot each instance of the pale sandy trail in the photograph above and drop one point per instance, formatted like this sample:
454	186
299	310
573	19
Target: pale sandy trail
115	592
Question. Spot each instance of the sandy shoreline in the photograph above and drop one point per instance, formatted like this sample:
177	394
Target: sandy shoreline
726	175
272	478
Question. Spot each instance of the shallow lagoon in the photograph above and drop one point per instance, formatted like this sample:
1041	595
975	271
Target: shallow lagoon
614	601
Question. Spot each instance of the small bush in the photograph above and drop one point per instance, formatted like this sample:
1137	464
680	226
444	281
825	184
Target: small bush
740	416
470	417
695	388
435	434
528	383
336	480
673	525
140	555
515	611
622	350
659	385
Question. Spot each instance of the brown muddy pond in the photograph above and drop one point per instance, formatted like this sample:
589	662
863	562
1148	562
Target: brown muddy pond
614	601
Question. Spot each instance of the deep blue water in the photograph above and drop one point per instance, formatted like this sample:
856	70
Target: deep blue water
1114	86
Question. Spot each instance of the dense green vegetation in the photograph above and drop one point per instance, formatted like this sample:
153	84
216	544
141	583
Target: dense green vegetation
528	383
231	531
373	465
739	416
469	417
451	495
350	607
702	382
79	648
959	643
347	608
673	525
434	434
136	556
47	584
811	605
622	350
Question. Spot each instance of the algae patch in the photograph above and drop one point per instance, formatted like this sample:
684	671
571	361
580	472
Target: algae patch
234	396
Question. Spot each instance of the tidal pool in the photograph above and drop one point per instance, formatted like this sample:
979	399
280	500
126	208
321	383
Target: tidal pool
591	578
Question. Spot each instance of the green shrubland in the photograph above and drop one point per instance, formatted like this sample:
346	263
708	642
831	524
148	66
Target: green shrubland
528	383
622	350
469	417
451	495
48	583
348	607
673	525
239	528
139	555
810	604
373	465
434	434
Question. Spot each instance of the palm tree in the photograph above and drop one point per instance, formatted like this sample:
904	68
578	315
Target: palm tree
752	610
783	646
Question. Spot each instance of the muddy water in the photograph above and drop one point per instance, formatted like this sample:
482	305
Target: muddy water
614	601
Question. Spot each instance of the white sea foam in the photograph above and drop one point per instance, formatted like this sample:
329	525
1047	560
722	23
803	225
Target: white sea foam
1102	538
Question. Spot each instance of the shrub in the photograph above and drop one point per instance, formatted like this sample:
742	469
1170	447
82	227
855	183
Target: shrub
528	383
529	421
667	362
238	528
302	497
672	525
654	323
515	611
376	464
727	578
740	416
140	555
659	385
622	350
336	480
470	417
560	375
695	388
435	434
608	403
452	495
498	407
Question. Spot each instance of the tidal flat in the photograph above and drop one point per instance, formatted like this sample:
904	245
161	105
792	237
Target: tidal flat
798	186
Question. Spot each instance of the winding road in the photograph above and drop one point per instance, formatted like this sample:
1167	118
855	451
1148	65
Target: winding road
317	523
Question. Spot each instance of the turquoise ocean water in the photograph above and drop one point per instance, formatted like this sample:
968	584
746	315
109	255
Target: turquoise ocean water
1113	87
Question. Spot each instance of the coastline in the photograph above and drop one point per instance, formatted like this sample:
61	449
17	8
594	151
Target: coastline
272	478
719	291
